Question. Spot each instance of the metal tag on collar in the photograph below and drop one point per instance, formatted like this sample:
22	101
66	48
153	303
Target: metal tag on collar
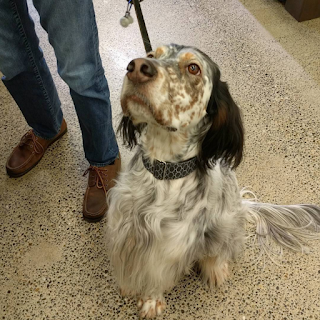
164	170
163	167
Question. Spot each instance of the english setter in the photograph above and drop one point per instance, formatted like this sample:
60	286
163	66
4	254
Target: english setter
179	203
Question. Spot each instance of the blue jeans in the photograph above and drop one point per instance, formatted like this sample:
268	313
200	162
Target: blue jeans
72	31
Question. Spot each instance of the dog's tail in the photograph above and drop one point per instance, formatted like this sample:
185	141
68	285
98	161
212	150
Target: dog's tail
289	226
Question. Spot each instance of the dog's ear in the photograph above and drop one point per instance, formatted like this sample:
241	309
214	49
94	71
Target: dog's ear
225	137
129	132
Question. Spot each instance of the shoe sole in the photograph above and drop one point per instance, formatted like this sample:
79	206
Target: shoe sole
17	175
93	219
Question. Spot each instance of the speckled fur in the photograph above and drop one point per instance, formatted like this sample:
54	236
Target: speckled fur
160	229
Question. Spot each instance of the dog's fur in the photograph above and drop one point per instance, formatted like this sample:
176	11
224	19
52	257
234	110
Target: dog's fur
176	105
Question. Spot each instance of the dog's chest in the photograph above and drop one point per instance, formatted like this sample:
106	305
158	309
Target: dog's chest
158	213
140	194
171	217
146	201
158	199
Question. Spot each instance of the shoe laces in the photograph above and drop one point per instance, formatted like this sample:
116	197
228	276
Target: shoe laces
101	177
35	144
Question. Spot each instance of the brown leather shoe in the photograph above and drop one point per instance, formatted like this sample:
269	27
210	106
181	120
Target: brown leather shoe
29	152
100	181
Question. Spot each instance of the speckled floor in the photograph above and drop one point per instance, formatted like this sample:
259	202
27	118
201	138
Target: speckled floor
54	265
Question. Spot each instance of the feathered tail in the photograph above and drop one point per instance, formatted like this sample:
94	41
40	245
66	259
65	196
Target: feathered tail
290	226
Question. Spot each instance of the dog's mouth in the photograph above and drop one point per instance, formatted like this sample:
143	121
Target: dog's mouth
148	113
142	100
138	99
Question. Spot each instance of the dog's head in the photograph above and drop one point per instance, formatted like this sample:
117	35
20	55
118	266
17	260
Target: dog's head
179	88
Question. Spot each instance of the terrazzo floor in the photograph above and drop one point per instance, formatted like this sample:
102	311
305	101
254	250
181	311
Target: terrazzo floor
54	264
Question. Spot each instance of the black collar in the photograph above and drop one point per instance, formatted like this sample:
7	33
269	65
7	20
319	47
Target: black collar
170	170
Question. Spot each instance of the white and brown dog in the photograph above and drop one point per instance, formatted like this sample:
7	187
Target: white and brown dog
178	203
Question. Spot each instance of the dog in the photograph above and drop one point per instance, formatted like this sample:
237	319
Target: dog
178	204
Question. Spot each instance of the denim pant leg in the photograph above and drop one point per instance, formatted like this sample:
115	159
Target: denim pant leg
72	31
26	74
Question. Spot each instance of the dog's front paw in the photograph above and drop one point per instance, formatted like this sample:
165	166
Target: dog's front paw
151	307
214	274
219	275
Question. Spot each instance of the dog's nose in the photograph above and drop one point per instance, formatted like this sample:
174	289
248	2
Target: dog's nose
141	70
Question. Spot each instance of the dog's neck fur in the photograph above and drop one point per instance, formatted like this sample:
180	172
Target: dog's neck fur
164	145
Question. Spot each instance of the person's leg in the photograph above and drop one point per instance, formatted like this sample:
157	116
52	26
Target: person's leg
26	74
72	31
29	81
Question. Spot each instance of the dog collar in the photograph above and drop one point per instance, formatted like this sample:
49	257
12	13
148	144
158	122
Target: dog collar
170	170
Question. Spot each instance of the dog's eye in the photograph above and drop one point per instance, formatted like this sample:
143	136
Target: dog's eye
150	55
194	69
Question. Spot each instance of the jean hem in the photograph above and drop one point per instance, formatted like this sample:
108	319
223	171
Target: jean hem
41	136
103	164
46	138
